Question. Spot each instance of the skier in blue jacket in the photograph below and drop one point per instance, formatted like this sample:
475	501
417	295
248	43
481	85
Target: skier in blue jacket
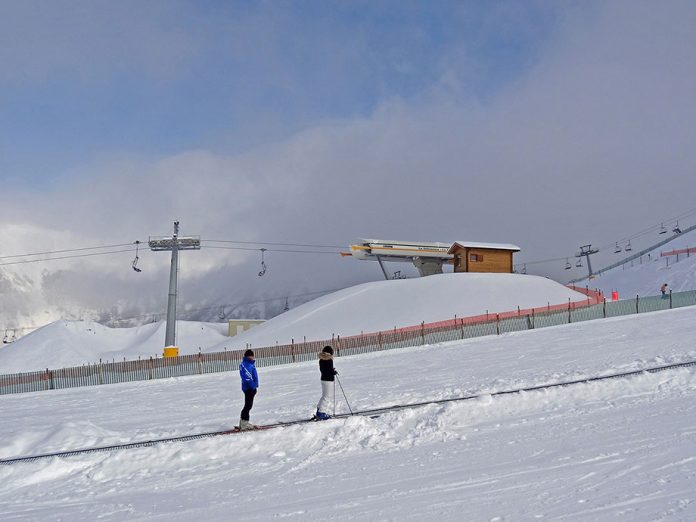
250	383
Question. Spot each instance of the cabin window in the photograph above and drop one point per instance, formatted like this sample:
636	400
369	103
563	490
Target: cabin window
476	258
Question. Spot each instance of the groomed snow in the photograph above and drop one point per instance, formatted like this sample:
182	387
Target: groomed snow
383	305
74	343
619	449
368	307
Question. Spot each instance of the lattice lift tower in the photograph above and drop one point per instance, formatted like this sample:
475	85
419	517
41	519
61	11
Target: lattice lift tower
174	244
586	251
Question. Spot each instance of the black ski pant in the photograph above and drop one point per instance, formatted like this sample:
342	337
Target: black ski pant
248	403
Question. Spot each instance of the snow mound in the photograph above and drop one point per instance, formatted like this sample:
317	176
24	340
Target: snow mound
383	305
368	307
73	343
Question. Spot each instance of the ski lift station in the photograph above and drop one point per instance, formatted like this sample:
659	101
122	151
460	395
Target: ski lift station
236	326
429	257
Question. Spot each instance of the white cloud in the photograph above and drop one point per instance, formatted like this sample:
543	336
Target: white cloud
592	143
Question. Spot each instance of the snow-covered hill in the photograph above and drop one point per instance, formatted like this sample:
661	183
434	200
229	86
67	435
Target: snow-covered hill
74	343
383	305
368	307
645	276
621	449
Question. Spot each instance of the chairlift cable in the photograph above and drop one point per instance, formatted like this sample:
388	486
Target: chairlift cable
269	243
50	252
625	239
272	250
653	228
68	257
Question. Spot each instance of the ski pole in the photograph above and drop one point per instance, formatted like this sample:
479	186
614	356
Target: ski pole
344	395
334	399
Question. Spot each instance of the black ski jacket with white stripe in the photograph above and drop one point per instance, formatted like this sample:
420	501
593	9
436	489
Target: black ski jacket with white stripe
326	366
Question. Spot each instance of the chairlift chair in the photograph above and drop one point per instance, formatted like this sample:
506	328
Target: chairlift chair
579	263
221	313
676	228
134	264
617	250
568	266
663	230
263	264
628	247
524	269
5	339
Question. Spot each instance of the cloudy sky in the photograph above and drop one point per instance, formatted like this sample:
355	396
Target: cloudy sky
545	124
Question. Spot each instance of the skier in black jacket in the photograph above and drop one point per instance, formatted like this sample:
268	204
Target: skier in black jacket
327	379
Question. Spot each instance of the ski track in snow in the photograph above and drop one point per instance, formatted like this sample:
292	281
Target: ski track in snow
617	449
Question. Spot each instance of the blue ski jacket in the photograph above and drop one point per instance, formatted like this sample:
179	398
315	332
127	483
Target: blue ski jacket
247	371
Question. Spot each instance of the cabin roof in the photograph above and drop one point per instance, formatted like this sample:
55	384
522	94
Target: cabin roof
491	246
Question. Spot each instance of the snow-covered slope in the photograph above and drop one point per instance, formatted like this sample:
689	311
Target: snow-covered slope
383	305
622	449
646	275
368	307
74	343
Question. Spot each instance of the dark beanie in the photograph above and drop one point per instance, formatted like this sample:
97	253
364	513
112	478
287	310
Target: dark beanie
328	349
249	353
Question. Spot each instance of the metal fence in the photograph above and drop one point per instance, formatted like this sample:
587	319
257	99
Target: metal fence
595	307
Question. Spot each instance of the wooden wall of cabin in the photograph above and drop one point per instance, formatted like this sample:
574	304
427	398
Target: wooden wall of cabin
487	260
460	260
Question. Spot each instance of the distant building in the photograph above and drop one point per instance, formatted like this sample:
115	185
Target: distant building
241	325
482	257
429	257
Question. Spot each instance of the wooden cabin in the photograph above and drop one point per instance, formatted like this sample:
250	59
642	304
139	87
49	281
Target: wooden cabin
482	257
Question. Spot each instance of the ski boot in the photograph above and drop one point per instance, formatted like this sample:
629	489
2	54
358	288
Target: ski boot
245	425
320	416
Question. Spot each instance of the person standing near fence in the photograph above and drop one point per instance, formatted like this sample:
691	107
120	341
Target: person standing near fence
250	383
328	372
663	289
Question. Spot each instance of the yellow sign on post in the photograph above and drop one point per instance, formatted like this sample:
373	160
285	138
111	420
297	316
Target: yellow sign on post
171	351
